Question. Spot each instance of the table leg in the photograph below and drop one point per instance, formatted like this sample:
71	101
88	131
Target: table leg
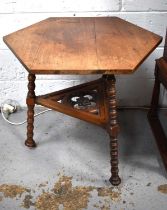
155	122
113	129
153	112
30	113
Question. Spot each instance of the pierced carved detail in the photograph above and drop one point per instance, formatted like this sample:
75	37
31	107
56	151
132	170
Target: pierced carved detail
82	100
85	100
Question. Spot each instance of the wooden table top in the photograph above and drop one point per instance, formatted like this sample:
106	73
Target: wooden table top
101	45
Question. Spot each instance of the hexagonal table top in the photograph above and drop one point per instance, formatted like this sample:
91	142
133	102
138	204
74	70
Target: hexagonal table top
101	45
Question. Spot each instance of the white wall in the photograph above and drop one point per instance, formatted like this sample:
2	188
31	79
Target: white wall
133	90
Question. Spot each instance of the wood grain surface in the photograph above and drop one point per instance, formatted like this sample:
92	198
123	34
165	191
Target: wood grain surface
101	45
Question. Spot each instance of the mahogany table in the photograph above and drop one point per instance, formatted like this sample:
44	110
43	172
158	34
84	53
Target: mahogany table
102	45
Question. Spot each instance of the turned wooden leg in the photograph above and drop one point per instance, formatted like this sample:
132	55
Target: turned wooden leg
113	129
30	113
153	112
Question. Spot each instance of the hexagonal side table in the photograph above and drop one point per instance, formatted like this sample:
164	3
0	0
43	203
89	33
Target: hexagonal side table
102	45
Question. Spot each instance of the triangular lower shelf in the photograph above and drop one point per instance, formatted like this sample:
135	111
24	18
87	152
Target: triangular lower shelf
85	101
